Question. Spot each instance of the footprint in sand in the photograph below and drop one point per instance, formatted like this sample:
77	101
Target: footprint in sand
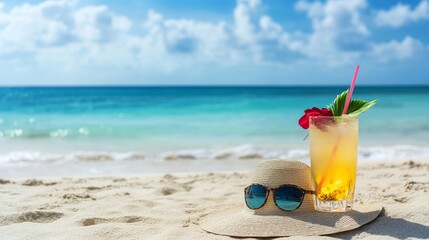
3	181
34	217
411	164
179	187
124	219
401	200
119	180
416	186
168	178
92	188
78	196
168	191
141	202
35	182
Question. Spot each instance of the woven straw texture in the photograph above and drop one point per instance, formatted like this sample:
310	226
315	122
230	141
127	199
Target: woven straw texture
269	221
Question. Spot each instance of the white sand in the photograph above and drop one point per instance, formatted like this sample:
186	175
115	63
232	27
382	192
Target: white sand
170	206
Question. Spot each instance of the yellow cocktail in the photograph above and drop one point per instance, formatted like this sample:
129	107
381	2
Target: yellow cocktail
333	153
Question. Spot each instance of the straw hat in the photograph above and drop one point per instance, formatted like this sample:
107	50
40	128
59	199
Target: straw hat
270	221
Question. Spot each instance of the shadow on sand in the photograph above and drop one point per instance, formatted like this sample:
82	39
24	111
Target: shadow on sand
388	226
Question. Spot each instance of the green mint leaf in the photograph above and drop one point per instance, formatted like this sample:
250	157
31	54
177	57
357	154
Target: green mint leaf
356	106
339	102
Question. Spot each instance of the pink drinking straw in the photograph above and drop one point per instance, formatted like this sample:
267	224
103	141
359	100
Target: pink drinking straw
346	107
349	96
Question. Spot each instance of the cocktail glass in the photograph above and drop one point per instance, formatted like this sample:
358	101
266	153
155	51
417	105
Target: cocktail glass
333	153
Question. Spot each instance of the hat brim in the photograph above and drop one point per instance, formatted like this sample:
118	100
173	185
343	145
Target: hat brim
239	222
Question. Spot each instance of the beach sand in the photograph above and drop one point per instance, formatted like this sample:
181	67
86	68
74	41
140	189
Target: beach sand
170	206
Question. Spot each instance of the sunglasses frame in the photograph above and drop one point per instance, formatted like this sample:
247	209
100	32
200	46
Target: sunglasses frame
273	190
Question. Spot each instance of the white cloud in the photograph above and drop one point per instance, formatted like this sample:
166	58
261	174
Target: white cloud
52	23
258	37
402	14
244	27
177	42
270	28
26	26
70	36
121	23
245	40
97	23
338	31
395	50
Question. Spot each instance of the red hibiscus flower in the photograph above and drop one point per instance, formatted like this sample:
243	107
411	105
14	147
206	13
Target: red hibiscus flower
304	121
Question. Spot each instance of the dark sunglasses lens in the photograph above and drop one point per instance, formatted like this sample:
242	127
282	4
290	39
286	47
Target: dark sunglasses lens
288	198
255	196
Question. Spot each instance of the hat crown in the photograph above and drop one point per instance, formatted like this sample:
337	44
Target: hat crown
274	173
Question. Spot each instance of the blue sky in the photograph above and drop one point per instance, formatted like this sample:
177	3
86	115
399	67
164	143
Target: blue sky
213	42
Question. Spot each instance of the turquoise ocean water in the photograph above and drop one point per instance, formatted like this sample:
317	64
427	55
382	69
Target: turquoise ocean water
168	123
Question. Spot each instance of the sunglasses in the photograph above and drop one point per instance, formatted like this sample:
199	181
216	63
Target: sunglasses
286	197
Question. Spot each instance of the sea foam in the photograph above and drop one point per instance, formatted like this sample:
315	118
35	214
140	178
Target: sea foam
241	152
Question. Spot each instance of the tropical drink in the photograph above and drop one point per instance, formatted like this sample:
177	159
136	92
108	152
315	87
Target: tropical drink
333	153
333	149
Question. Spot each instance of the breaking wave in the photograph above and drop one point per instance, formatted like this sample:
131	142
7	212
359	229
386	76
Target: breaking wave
242	152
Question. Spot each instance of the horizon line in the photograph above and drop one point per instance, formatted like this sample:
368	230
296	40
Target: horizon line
208	86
